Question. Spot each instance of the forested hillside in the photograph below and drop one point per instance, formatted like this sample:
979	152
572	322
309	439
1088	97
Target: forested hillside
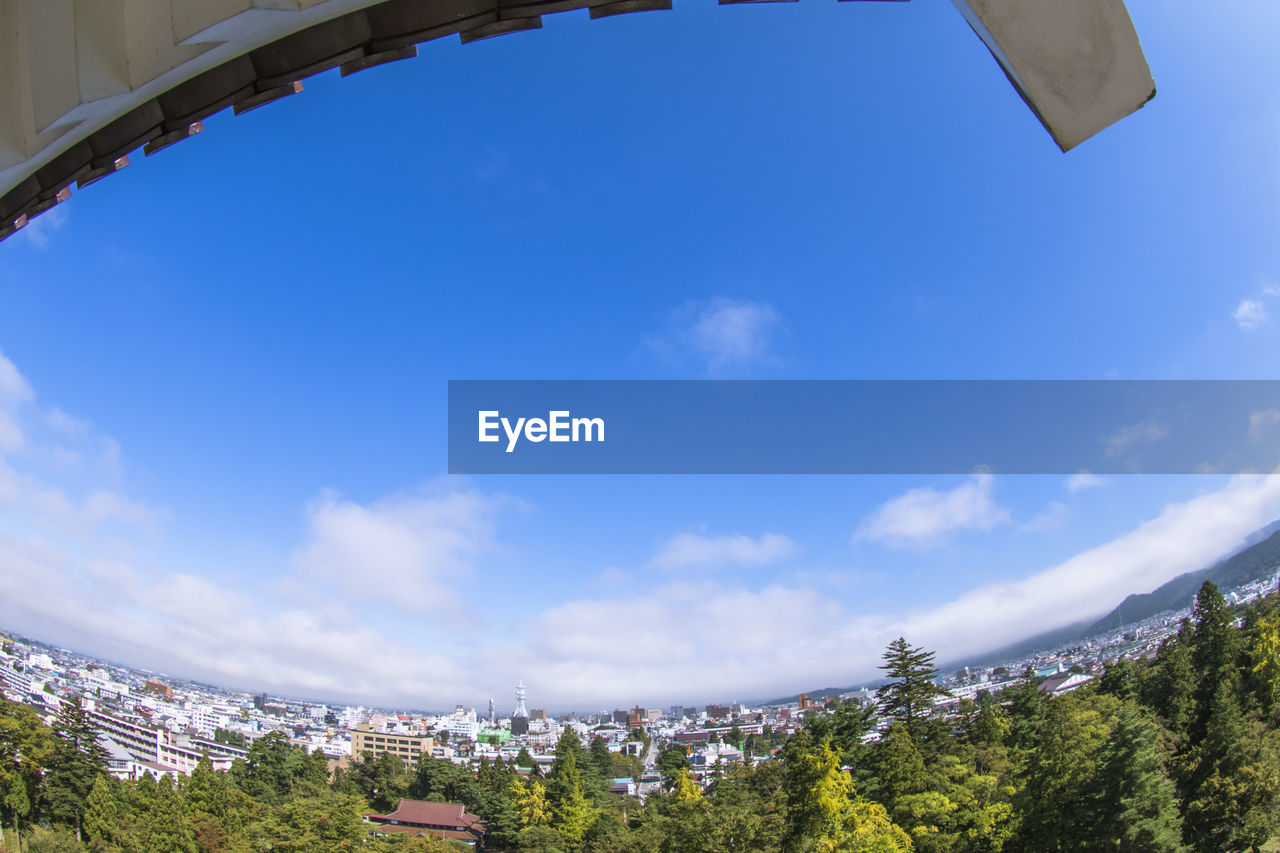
1255	562
1180	753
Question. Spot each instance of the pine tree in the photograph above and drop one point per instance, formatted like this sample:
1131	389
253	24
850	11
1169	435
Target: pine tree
102	812
1169	688
1135	804
76	763
168	826
572	814
1233	781
1214	652
899	767
909	696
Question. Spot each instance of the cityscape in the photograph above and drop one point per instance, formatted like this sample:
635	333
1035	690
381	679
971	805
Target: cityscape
157	725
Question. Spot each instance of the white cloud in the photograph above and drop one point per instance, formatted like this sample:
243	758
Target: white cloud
677	642
102	506
1083	480
692	550
612	576
59	421
39	231
63	458
1133	435
1260	423
1053	518
725	334
1250	314
11	437
420	546
710	639
923	517
187	624
14	392
14	389
1183	537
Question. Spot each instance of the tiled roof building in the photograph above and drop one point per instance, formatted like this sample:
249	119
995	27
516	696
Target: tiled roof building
438	820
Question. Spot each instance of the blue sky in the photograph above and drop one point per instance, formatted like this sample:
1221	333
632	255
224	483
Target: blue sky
222	442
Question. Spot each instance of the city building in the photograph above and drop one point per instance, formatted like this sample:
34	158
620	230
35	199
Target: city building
409	747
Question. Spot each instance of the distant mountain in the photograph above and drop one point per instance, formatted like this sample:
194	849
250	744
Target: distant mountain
1255	562
1257	559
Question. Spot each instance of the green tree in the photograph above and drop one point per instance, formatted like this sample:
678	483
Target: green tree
1214	651
1231	784
1056	798
909	695
823	811
230	738
572	814
1265	655
220	811
77	761
17	803
264	773
530	799
103	814
1169	687
44	840
1135	804
168	826
673	759
899	766
328	823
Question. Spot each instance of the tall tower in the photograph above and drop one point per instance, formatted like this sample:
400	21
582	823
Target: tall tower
491	716
521	710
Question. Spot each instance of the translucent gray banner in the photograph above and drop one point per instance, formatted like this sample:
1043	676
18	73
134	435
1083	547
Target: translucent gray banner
863	427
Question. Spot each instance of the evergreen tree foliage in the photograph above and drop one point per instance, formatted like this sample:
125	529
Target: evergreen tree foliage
77	761
1135	806
909	696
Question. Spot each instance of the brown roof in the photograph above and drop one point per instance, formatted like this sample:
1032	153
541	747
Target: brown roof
423	813
419	832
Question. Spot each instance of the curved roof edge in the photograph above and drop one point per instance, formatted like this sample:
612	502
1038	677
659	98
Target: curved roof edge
87	83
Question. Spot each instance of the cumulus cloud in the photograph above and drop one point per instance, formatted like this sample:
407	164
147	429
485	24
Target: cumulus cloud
421	546
15	391
14	388
692	550
1250	314
1262	423
684	640
1134	435
922	518
710	639
214	628
1083	480
11	437
59	421
723	334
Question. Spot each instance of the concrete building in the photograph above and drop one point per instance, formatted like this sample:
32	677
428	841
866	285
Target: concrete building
409	747
164	750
